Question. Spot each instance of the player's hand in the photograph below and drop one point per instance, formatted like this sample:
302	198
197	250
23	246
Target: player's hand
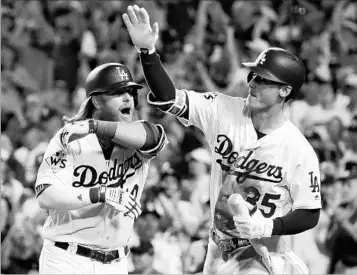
137	21
123	201
254	227
74	131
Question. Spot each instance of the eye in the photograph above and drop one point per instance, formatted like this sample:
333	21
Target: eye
261	80
131	91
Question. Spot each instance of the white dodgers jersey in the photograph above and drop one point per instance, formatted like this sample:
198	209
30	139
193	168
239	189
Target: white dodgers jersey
84	167
277	173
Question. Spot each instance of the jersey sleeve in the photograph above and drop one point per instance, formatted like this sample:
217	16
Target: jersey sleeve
305	184
161	141
211	111
56	166
202	112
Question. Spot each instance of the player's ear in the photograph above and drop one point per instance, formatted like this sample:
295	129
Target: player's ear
285	91
96	102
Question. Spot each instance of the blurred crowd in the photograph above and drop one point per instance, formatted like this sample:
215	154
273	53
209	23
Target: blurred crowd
49	47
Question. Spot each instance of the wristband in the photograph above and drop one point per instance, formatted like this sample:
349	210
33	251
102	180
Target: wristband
92	128
94	194
278	227
97	194
146	51
103	189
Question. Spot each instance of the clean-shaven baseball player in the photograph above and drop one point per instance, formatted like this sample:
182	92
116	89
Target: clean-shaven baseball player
256	151
92	176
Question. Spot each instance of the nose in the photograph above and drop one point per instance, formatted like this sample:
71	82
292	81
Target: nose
126	97
252	83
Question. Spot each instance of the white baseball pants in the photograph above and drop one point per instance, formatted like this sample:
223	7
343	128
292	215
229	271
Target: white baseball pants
55	260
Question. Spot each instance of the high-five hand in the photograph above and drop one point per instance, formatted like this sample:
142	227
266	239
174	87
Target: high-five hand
137	21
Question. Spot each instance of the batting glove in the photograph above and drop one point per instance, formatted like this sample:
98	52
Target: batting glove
254	227
123	201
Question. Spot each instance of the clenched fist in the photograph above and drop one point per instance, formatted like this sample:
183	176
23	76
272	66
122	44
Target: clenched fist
74	131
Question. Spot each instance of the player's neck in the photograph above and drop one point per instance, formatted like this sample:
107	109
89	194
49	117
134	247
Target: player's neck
268	120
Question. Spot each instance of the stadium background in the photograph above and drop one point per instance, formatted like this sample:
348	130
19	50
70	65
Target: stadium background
48	48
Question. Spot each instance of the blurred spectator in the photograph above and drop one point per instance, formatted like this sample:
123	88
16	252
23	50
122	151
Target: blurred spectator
350	155
58	99
10	58
11	103
350	89
11	188
21	248
196	188
296	111
342	238
34	39
180	213
7	147
333	136
180	16
149	228
34	146
5	213
143	258
194	257
67	47
323	153
51	122
330	104
33	109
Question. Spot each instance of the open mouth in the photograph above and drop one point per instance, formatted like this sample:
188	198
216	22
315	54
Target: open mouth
125	111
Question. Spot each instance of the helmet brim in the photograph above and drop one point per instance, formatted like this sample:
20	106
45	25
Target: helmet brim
117	86
133	84
259	70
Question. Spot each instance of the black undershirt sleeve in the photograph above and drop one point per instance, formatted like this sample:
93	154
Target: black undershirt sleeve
159	82
296	222
156	77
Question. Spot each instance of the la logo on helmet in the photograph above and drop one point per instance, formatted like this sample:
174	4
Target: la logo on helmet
262	59
122	75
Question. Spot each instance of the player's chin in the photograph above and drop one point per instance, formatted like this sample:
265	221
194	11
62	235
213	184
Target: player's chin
252	101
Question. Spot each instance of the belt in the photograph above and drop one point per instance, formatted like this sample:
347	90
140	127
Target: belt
103	256
228	245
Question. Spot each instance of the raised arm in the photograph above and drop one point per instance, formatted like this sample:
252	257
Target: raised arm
201	23
163	93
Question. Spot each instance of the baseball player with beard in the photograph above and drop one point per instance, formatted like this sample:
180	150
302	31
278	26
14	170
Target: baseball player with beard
258	155
92	177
